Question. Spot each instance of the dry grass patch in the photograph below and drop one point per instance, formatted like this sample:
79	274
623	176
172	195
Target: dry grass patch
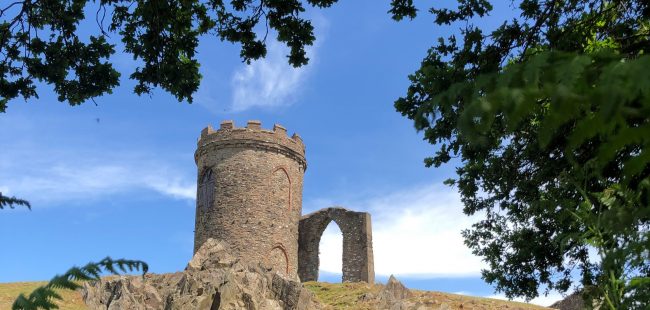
343	295
454	301
9	291
361	296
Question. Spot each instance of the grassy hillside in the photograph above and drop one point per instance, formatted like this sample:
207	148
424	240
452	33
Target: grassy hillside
334	296
9	292
359	296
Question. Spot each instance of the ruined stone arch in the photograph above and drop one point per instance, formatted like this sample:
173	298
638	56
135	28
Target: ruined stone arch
279	259
280	188
358	261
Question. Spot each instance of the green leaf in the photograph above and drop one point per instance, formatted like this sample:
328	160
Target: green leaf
43	297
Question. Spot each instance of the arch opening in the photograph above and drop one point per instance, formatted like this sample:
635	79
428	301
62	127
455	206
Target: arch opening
330	254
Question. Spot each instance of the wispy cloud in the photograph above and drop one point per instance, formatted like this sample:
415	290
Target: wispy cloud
272	82
416	232
65	177
268	83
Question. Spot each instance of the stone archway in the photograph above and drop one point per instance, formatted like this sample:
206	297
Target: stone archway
358	262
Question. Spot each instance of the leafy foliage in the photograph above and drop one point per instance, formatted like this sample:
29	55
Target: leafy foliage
549	115
11	202
403	8
44	297
39	40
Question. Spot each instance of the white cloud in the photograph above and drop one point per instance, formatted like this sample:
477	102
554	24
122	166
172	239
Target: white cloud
66	177
463	293
176	188
272	82
416	232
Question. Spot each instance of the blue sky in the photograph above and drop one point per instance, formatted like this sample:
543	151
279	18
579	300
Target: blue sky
118	178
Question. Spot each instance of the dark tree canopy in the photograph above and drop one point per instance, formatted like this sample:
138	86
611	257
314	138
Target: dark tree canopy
39	40
549	115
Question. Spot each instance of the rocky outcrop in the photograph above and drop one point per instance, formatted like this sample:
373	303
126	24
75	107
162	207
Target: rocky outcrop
571	302
394	294
396	289
212	280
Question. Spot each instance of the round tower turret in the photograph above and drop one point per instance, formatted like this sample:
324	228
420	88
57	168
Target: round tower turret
249	192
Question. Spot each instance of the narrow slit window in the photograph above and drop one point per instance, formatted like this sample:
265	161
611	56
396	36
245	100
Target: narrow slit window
206	190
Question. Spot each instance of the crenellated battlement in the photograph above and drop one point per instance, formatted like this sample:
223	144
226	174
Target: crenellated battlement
253	135
251	126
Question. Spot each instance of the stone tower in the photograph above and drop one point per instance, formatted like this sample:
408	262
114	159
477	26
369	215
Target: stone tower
250	192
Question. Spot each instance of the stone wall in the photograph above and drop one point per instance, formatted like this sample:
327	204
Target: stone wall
358	262
250	192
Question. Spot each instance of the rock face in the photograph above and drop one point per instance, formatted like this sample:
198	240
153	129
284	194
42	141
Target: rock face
393	296
396	289
213	280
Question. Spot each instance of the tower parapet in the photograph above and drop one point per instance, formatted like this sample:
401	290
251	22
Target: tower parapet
253	136
250	192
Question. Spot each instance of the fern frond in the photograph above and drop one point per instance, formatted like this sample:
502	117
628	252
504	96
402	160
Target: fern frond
11	201
44	296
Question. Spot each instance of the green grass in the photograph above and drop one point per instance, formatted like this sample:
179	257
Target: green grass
342	295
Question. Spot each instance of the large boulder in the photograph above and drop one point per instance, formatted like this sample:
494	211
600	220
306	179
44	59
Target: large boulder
212	280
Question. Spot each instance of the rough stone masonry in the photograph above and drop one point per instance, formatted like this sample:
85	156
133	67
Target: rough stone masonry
249	193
